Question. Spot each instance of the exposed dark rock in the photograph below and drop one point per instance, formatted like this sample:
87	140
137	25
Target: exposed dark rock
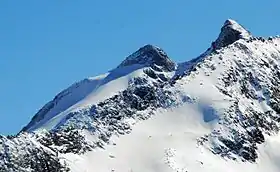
150	55
230	32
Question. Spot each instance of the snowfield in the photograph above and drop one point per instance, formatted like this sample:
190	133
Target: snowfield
167	143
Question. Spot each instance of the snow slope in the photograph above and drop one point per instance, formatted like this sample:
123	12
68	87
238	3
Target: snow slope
217	112
100	89
166	143
96	89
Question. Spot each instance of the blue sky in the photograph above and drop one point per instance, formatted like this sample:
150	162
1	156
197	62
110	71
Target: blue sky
45	46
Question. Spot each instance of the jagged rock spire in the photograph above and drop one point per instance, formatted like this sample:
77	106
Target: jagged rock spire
231	32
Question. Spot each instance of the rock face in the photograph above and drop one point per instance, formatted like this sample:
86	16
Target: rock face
22	153
231	32
242	72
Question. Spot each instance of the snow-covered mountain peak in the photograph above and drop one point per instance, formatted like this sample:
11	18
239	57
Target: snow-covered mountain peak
217	112
231	32
149	55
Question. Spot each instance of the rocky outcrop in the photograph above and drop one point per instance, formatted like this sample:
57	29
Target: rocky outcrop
150	55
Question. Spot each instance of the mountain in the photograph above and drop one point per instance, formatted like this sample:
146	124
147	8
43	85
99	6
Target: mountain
217	112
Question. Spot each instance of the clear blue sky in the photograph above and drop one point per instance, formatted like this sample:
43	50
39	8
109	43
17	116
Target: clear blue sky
45	46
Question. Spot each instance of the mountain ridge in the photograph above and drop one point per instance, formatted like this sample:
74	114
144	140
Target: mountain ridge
150	55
